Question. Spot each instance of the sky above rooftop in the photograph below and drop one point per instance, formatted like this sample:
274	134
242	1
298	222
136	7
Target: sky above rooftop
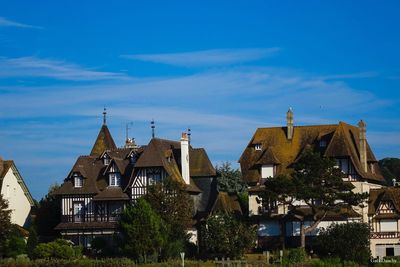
222	68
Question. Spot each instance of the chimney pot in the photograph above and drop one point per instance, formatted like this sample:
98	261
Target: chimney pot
363	145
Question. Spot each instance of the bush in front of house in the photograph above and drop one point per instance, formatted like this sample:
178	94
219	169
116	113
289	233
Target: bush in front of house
58	249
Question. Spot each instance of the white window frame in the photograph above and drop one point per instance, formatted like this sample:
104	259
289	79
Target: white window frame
115	179
258	147
78	181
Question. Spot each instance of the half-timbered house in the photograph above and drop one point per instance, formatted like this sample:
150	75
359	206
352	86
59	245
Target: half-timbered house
272	151
384	220
101	184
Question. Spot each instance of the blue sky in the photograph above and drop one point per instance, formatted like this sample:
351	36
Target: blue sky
223	68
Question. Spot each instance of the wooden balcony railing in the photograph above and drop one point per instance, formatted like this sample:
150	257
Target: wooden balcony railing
385	235
89	218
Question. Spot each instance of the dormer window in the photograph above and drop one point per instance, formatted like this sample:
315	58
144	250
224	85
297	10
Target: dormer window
115	179
132	159
106	159
78	180
258	147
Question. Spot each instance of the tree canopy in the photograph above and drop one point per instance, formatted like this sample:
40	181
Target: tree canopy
315	183
390	168
229	179
5	222
48	215
142	230
348	241
226	235
175	207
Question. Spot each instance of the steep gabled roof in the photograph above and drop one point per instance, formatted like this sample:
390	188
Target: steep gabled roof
5	166
226	203
342	140
376	196
200	164
103	142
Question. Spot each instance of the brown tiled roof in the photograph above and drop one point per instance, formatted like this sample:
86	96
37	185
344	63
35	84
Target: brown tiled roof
200	164
226	203
5	165
86	225
111	193
383	194
103	142
339	214
341	139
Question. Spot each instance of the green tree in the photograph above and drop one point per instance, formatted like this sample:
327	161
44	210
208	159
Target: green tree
229	179
390	168
317	183
348	241
32	242
48	215
142	230
5	222
15	244
175	207
225	234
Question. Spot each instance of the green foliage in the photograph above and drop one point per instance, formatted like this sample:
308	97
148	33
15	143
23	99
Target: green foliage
48	214
58	249
317	182
5	229
15	246
390	168
32	242
229	179
349	242
142	230
226	235
335	262
295	255
175	207
115	262
99	244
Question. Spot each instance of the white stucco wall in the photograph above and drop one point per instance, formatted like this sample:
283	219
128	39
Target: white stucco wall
17	200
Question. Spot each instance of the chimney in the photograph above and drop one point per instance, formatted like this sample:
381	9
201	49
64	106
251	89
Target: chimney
185	158
289	122
363	145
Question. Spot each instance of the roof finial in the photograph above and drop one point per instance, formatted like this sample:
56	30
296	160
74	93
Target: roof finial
104	116
189	134
153	126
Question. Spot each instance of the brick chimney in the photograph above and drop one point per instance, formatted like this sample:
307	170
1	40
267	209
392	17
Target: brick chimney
363	145
185	158
289	122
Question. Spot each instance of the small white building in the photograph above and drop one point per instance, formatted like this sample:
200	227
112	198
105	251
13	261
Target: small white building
14	190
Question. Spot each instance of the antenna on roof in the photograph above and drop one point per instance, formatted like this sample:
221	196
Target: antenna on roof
153	126
104	116
189	134
127	130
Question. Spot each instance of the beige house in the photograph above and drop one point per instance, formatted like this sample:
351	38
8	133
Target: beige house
272	151
14	190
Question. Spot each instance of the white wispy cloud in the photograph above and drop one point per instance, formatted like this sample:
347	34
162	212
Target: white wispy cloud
49	68
9	23
207	57
357	75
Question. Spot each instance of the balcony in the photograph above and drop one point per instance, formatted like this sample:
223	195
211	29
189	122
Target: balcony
385	235
89	218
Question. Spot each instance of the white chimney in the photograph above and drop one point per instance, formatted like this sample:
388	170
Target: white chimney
185	158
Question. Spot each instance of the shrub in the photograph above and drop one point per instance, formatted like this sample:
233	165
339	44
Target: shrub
296	255
59	249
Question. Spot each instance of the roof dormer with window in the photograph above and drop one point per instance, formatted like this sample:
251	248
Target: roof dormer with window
78	180
114	176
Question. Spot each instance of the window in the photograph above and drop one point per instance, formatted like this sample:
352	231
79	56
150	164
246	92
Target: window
78	211
258	147
115	179
78	180
267	171
106	159
322	143
343	164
